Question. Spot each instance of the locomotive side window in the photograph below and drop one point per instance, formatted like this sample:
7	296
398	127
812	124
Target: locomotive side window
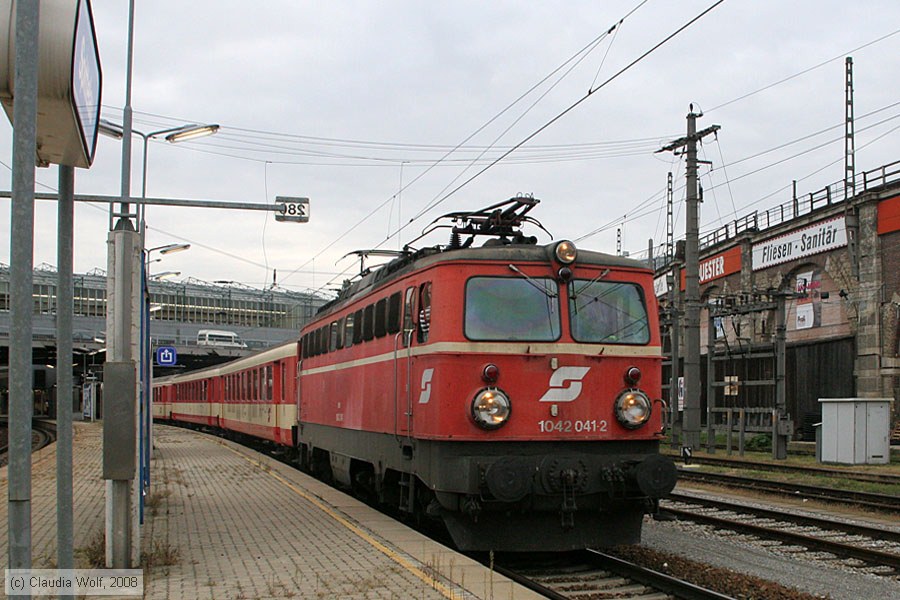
349	336
368	328
358	327
340	333
333	336
510	309
608	312
381	318
393	314
410	310
424	312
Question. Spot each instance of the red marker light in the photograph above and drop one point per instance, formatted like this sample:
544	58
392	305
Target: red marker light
632	375
491	373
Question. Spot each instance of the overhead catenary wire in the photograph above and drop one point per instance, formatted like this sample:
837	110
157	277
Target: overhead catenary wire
586	48
560	115
631	212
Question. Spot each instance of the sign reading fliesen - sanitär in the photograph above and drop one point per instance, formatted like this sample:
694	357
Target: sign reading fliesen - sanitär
813	239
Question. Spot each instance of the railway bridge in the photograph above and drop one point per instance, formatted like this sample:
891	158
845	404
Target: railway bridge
841	318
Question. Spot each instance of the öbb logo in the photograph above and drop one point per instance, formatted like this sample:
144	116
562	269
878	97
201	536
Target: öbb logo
560	390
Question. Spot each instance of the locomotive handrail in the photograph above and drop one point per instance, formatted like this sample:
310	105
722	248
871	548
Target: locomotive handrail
665	409
397	387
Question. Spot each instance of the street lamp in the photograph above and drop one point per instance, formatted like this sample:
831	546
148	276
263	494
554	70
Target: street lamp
169	248
164	275
173	135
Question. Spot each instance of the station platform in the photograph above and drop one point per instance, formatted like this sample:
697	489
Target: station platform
222	521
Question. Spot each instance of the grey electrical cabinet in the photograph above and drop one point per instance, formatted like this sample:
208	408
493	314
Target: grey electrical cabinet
856	431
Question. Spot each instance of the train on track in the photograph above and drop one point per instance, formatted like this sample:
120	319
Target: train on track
508	389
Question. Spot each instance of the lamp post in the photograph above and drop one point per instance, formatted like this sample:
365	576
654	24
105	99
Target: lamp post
121	544
146	401
173	135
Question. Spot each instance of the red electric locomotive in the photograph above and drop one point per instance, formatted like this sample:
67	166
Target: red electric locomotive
509	390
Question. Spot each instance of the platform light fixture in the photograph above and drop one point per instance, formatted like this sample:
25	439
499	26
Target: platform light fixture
170	248
165	275
190	132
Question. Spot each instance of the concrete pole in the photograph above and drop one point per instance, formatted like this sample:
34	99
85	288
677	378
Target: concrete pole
779	440
710	380
64	314
21	281
692	294
120	293
674	328
119	324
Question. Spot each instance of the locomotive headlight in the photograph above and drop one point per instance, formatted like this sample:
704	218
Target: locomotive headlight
491	408
633	408
566	252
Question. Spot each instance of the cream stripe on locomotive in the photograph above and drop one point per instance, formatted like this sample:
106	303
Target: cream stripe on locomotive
496	348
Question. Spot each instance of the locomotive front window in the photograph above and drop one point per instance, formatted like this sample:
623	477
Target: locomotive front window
511	308
608	312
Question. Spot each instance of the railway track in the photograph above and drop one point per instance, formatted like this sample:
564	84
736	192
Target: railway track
43	433
881	502
887	478
874	546
594	574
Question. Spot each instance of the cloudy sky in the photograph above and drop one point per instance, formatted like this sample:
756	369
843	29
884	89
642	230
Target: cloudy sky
376	111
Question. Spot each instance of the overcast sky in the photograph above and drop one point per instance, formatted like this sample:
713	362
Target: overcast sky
344	102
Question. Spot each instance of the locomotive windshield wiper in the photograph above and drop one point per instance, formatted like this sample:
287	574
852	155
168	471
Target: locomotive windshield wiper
584	287
549	293
589	283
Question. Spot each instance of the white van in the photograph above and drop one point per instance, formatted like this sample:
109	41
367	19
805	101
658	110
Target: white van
221	339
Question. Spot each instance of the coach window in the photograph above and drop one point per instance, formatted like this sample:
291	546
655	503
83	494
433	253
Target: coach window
380	318
348	331
358	327
409	311
424	312
270	382
368	322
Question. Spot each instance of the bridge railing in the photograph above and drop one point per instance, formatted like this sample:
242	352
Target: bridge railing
801	205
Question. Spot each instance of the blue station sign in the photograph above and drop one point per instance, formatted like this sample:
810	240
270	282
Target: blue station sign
166	356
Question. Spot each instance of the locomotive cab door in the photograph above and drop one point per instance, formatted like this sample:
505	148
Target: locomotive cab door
403	362
415	332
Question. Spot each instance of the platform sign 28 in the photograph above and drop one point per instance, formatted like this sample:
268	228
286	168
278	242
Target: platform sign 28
295	210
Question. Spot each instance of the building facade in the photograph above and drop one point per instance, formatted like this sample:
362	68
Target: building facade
840	301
